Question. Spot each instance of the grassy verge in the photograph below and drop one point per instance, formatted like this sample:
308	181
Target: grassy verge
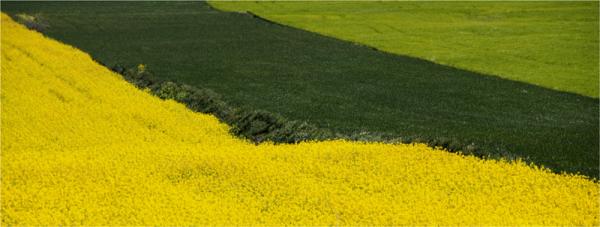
260	125
335	85
551	44
254	125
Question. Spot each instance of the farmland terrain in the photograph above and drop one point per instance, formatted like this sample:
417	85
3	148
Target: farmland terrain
82	146
331	83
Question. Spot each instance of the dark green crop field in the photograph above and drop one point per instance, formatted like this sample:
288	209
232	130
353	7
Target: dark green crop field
331	83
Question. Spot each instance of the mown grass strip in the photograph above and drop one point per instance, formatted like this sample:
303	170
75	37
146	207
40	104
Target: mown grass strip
331	84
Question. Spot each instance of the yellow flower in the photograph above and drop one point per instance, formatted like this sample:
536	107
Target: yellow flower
141	68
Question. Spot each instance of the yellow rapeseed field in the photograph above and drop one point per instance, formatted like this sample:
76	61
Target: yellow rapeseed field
81	146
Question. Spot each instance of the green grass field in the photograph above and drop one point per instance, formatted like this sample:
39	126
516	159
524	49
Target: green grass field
552	44
331	83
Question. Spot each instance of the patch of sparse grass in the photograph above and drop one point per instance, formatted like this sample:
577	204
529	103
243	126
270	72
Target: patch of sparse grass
34	22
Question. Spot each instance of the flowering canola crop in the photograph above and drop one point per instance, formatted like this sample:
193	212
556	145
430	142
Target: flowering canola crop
81	146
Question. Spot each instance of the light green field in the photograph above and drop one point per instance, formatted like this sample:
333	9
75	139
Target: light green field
551	44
